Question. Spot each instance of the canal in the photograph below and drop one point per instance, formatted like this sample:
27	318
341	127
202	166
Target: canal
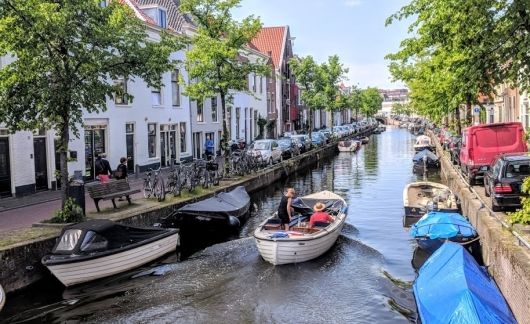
364	278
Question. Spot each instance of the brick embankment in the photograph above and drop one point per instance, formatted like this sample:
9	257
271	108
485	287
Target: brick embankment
20	263
507	261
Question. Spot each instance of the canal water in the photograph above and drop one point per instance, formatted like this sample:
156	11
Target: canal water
365	277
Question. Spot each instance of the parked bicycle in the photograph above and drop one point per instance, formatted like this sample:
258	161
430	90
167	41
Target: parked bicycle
176	180
154	185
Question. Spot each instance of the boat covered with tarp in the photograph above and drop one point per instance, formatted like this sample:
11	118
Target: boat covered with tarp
434	228
301	243
100	248
349	145
426	159
423	142
452	288
424	196
225	209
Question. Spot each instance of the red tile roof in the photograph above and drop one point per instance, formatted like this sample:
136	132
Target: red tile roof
271	39
138	12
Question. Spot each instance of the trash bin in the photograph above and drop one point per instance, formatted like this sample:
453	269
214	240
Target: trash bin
76	191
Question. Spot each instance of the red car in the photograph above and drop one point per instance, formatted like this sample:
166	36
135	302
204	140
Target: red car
482	143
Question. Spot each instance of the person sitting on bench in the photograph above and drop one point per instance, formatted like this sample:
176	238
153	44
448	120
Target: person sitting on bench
320	216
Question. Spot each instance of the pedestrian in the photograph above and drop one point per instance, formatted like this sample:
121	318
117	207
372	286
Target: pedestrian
103	170
121	169
285	210
209	148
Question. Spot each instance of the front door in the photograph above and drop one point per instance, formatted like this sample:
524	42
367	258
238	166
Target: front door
163	148
5	172
197	145
39	156
94	145
129	138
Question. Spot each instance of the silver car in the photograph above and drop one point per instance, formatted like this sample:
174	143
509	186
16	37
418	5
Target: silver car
269	150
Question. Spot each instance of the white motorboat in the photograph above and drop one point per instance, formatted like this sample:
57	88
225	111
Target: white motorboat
421	197
301	243
2	298
423	142
349	146
100	248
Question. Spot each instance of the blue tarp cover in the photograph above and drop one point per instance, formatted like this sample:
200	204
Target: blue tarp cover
418	157
442	225
452	288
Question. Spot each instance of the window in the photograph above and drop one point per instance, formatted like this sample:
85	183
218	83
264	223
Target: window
175	88
162	21
104	3
254	83
159	15
238	115
214	109
156	96
183	138
151	140
200	112
260	84
120	97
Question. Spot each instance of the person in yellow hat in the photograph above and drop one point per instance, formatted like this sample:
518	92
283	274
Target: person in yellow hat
320	215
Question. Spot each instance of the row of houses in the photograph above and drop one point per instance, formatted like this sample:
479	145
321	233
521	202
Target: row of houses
161	125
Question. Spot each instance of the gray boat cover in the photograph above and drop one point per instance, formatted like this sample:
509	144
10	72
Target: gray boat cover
231	203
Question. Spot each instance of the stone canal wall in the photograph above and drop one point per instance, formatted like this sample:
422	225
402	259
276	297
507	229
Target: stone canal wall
20	265
508	262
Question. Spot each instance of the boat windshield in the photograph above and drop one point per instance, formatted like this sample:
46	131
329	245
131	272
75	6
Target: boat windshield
68	240
94	242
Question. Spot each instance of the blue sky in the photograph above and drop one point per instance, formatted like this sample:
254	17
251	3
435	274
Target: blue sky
353	29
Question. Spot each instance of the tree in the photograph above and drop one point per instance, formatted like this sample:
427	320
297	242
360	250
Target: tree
355	100
401	108
309	77
333	73
215	63
67	54
371	101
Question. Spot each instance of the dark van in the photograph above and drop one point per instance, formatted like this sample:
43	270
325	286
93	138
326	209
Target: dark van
482	143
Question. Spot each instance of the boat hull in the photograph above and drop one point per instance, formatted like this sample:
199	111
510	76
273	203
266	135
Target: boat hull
73	273
278	252
2	298
413	214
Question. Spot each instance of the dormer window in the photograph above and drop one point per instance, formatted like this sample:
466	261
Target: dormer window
158	14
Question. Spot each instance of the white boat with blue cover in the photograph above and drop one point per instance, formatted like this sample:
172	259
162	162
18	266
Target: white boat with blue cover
301	243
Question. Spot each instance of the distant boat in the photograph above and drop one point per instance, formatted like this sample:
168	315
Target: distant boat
301	243
452	288
365	140
423	142
421	197
224	210
100	248
349	146
426	159
434	228
2	298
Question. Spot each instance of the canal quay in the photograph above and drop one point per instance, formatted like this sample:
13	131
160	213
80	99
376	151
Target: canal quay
364	278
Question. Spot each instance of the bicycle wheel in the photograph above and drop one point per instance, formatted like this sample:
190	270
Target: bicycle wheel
160	190
147	188
214	176
205	179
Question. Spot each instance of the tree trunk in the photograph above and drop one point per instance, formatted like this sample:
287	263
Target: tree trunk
469	113
458	123
356	114
63	150
226	134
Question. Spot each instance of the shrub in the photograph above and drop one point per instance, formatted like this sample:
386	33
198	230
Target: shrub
70	213
522	215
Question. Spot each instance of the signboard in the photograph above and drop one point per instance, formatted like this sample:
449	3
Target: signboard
476	110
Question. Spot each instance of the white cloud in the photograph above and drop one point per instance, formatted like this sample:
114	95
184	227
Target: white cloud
352	3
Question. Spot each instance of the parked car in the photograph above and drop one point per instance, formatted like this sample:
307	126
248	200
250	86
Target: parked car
504	180
326	132
481	143
304	142
269	150
318	139
289	147
454	149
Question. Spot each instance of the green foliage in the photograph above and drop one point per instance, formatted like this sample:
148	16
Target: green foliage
68	52
333	72
70	213
370	101
522	215
262	122
402	109
215	61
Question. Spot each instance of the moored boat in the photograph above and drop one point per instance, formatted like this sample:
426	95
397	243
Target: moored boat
434	228
2	298
100	248
421	197
301	243
365	140
348	146
423	142
452	288
426	159
224	210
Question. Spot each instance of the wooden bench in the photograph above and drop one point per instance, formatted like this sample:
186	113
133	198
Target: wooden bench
110	190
